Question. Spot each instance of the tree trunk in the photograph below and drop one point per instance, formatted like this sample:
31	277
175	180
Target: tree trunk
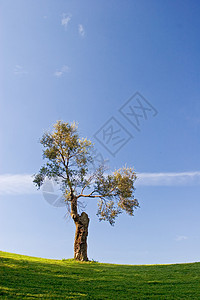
81	222
80	242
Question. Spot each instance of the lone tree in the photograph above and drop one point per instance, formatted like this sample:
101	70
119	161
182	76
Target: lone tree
67	160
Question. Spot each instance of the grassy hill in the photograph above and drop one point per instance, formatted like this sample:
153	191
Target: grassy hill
24	277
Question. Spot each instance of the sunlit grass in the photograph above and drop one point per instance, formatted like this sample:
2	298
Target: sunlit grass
24	277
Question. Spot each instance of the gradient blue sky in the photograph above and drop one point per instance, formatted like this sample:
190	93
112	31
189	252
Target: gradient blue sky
82	60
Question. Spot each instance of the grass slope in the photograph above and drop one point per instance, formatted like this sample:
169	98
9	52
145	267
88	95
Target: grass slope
24	277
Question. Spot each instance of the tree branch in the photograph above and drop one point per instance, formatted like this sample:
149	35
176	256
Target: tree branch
66	168
96	196
88	182
90	196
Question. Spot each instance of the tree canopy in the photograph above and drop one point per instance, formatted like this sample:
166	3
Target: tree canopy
68	160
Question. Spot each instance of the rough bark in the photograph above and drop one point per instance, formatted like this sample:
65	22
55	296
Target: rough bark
80	242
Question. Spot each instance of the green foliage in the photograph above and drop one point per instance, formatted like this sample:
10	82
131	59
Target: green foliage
23	277
117	192
68	159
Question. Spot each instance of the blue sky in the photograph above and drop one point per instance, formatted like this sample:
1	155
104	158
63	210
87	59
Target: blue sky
82	61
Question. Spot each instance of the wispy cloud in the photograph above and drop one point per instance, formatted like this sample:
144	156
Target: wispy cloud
60	72
66	18
18	184
181	238
168	179
81	30
19	70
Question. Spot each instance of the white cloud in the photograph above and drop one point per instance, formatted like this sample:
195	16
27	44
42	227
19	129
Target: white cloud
181	238
19	70
168	179
18	184
64	69
65	20
81	30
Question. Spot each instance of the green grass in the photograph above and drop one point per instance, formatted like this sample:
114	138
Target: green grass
24	277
